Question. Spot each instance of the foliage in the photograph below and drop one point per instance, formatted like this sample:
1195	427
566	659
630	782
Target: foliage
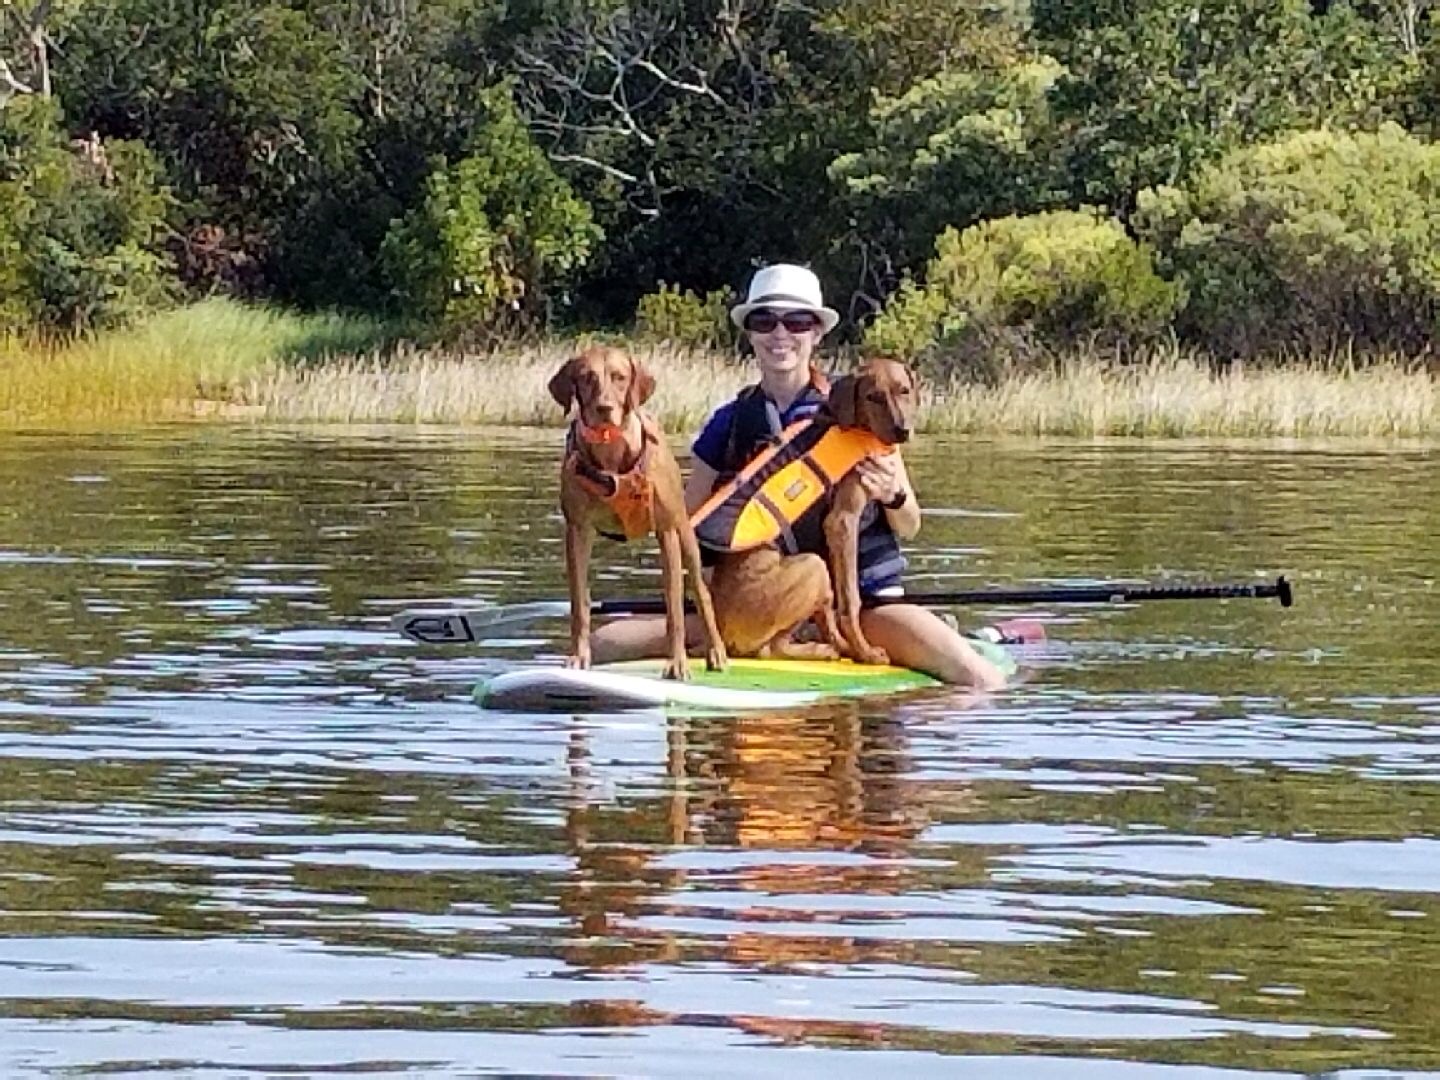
705	137
680	317
1312	238
1157	88
1011	289
495	233
953	149
896	44
80	228
250	107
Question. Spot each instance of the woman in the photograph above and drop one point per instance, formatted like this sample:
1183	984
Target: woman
784	317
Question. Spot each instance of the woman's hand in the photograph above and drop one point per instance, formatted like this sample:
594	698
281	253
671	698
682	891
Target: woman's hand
882	477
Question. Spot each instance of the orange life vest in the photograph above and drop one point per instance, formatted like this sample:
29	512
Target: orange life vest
769	498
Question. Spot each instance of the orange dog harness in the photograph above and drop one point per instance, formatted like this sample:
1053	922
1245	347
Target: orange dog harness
629	495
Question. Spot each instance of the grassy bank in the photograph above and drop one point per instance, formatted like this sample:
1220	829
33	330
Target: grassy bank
220	360
177	365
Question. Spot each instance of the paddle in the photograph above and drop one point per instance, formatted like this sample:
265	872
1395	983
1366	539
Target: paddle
453	626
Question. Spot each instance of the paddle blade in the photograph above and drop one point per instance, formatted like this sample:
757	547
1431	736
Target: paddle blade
451	626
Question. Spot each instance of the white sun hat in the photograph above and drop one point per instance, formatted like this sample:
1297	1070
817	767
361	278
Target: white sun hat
785	287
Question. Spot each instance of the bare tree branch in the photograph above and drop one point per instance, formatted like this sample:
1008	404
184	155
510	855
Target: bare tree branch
9	84
600	92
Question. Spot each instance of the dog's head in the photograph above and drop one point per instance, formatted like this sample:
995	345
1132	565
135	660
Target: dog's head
882	397
607	384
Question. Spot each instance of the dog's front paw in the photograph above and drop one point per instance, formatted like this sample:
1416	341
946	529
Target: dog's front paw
579	659
716	658
678	669
871	655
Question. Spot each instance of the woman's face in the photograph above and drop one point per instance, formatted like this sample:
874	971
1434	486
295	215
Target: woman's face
783	341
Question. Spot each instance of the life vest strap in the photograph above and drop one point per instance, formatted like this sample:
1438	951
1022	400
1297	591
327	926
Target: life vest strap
629	495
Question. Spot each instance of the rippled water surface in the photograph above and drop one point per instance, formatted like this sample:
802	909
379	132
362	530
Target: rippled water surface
247	831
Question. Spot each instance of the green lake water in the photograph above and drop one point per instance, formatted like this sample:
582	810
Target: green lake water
245	830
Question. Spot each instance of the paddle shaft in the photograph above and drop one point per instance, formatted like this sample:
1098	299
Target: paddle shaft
455	625
1279	589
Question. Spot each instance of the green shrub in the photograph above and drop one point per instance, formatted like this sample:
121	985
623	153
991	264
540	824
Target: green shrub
80	229
952	150
683	318
495	233
1011	290
1315	240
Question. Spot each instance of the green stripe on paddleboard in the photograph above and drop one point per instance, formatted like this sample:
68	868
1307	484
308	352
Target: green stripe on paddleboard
815	676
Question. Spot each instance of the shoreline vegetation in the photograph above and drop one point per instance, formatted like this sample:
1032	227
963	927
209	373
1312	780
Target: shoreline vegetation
221	362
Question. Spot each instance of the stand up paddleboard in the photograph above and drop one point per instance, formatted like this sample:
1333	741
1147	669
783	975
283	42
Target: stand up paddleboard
747	685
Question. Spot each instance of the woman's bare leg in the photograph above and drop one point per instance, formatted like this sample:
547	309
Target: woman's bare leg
639	637
917	638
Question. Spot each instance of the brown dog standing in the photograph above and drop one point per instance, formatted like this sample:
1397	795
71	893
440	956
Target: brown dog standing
619	477
882	398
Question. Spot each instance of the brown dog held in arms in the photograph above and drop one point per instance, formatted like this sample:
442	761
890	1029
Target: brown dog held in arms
881	397
762	596
619	477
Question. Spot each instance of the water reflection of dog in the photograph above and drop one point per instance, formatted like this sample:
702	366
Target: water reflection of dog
834	782
831	782
786	785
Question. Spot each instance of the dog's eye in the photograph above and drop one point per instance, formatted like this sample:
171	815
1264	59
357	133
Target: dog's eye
617	377
876	398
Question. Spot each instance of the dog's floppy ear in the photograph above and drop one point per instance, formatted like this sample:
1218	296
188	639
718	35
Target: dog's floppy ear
844	400
562	385
642	385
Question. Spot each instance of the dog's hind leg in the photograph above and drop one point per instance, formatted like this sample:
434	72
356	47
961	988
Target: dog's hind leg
803	584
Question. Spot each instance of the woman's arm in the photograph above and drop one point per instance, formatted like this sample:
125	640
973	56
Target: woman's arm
884	478
699	484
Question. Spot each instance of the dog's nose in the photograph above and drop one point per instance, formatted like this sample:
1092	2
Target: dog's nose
902	434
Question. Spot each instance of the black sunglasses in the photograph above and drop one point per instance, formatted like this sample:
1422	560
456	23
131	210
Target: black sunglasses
797	322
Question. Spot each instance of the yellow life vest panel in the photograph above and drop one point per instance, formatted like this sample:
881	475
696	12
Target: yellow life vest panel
769	498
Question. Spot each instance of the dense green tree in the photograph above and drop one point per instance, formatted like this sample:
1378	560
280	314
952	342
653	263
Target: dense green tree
495	233
1013	289
955	148
1156	88
1318	239
249	106
81	227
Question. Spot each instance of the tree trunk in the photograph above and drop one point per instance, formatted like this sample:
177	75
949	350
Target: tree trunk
40	47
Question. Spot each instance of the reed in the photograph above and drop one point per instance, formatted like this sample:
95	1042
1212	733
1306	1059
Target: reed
1175	395
1167	394
421	387
222	360
177	365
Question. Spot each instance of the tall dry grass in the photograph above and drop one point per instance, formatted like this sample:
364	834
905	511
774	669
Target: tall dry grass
421	387
223	360
1167	395
1173	395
